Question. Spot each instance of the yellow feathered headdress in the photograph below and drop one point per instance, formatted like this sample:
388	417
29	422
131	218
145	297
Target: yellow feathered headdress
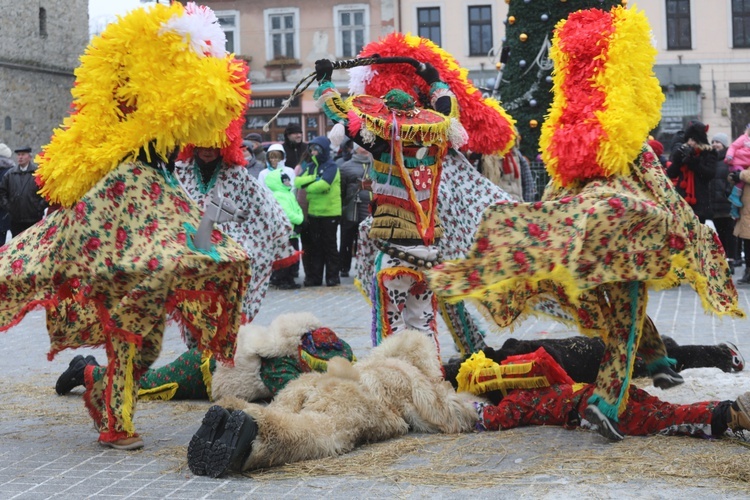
158	75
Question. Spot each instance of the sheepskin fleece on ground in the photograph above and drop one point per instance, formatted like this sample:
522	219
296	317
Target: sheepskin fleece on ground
254	342
398	388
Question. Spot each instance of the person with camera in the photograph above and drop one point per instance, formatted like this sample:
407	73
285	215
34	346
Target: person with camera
693	167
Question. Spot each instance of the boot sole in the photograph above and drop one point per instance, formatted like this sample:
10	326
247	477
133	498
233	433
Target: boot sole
604	425
200	449
664	381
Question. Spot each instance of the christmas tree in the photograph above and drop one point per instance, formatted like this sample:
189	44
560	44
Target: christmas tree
525	71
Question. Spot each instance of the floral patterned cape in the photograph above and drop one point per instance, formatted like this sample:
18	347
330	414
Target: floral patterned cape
264	236
615	229
119	262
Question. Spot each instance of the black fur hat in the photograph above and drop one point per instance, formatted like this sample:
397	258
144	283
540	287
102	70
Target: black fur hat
697	131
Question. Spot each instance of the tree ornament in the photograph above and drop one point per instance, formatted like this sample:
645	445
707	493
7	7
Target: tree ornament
523	37
522	63
532	102
511	20
533	123
548	79
498	66
545	17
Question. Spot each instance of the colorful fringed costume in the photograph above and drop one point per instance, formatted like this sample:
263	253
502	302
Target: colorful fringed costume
463	195
611	225
117	258
409	143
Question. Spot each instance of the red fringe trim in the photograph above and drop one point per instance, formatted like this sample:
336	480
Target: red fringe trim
88	380
287	261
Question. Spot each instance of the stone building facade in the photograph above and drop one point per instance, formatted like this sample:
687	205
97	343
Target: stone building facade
40	43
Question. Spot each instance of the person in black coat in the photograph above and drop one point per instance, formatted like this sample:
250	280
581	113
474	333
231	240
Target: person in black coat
718	195
693	167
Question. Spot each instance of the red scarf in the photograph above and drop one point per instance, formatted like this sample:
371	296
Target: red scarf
687	182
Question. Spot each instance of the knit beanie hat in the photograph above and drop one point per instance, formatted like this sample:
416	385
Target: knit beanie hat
4	151
292	128
697	131
722	138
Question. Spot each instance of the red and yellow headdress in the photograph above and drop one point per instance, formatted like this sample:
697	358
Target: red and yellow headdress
489	127
606	97
158	75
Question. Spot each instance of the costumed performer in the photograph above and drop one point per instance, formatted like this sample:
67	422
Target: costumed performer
266	359
532	389
462	198
118	257
410	131
265	235
399	387
327	414
610	224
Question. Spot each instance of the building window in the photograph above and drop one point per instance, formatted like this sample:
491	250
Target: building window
8	123
480	30
428	23
352	26
282	33
740	24
229	20
678	25
351	23
42	22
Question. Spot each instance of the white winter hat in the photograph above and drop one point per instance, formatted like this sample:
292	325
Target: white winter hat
4	151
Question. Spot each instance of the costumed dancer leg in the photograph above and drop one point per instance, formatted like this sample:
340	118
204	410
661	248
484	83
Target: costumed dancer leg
466	333
646	414
659	367
112	390
554	405
624	306
187	377
401	299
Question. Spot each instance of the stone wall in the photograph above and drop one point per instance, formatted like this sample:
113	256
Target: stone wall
40	44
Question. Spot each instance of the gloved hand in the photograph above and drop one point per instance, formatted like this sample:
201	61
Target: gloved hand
687	150
428	73
323	70
734	177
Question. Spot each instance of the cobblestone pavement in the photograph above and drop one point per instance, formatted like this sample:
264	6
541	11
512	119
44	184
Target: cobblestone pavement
48	448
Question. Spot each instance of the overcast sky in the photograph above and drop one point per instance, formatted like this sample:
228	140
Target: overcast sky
102	12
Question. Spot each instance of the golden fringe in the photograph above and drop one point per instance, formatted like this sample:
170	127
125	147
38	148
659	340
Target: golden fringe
315	364
161	393
127	396
206	371
479	375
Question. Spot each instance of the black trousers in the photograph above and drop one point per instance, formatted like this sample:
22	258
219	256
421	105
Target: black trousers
725	230
321	253
348	247
17	228
285	275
